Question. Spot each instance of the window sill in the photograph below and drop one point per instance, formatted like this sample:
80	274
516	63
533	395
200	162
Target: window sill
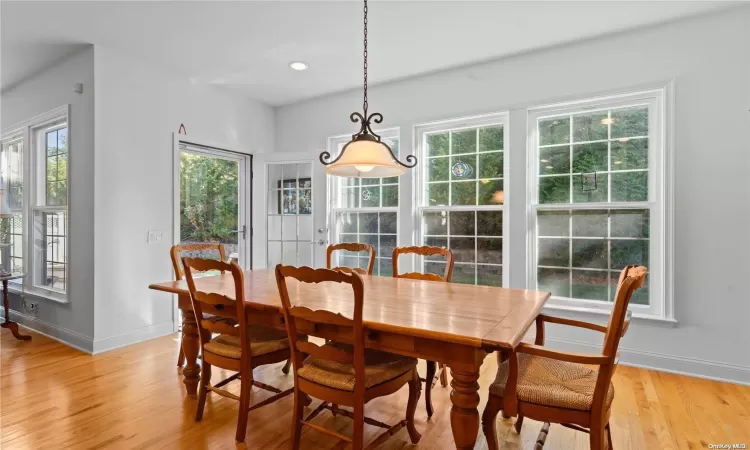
39	293
657	320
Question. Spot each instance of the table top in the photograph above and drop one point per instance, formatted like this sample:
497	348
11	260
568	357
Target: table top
480	316
12	276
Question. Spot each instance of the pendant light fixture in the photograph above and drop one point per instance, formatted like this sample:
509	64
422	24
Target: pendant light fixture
366	155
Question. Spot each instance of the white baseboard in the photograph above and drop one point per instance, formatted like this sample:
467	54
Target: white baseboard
85	343
693	367
132	337
52	331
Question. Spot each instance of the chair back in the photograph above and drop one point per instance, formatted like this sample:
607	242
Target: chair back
207	304
193	251
424	251
352	247
631	279
293	315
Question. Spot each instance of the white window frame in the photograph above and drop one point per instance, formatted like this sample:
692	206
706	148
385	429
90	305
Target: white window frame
334	190
30	131
659	163
420	177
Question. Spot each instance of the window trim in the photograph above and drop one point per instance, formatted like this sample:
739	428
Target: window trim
660	100
419	177
29	130
334	187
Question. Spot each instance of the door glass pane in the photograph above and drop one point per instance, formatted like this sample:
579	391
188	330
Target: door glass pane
289	211
209	200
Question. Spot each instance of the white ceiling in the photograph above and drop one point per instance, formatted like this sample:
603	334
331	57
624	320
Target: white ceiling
247	46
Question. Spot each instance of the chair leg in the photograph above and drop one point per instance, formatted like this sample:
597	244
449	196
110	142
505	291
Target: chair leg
443	375
297	418
542	438
428	387
411	407
246	380
202	391
181	357
285	369
519	424
608	429
494	405
596	437
358	431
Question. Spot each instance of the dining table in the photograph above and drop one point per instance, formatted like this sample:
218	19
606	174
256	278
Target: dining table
451	323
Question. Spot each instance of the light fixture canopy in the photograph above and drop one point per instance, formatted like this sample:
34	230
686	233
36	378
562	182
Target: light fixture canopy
366	155
298	65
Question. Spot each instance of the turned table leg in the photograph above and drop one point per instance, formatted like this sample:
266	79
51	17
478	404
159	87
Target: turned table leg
12	326
464	414
190	346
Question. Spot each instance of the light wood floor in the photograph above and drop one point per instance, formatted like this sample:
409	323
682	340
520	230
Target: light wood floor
55	397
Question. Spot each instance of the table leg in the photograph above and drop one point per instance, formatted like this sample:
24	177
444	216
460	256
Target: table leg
464	414
190	346
12	326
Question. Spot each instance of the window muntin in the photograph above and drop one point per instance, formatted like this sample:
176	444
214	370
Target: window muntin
365	210
462	196
597	199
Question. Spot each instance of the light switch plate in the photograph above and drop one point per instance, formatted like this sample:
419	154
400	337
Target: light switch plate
155	236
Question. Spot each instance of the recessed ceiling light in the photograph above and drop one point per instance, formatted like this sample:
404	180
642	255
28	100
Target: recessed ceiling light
608	121
544	160
298	65
549	167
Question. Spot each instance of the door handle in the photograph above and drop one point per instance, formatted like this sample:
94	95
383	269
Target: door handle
321	242
243	231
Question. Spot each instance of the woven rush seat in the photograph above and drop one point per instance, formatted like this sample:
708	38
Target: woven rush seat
549	382
379	368
263	340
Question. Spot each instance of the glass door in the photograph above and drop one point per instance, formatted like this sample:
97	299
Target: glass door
289	214
212	200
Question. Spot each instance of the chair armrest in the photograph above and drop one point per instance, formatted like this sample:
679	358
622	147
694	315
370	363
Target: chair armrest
573	323
580	358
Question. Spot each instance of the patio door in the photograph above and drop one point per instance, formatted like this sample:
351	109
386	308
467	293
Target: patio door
213	204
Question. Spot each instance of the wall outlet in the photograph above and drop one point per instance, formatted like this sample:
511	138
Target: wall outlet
155	236
30	306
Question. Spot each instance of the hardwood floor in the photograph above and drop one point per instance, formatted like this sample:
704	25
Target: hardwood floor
55	397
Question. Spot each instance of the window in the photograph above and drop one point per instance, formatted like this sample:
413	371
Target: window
35	177
365	210
11	228
597	199
461	196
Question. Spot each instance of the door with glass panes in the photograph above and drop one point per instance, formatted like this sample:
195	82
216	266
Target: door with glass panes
289	214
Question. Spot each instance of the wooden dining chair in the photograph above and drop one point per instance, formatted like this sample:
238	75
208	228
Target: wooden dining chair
342	374
352	247
202	250
432	373
558	387
239	346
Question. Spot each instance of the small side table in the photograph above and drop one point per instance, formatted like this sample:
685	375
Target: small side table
8	323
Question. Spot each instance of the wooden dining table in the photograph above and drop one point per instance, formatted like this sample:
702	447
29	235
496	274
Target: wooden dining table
449	323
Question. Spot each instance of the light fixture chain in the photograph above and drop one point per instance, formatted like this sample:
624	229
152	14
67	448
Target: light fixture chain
364	103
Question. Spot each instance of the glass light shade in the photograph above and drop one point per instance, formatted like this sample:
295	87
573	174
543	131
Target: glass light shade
366	159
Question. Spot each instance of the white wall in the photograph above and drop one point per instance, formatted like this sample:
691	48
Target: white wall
74	321
709	60
138	108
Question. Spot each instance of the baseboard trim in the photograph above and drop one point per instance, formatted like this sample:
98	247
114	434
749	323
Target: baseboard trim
693	367
52	331
132	337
